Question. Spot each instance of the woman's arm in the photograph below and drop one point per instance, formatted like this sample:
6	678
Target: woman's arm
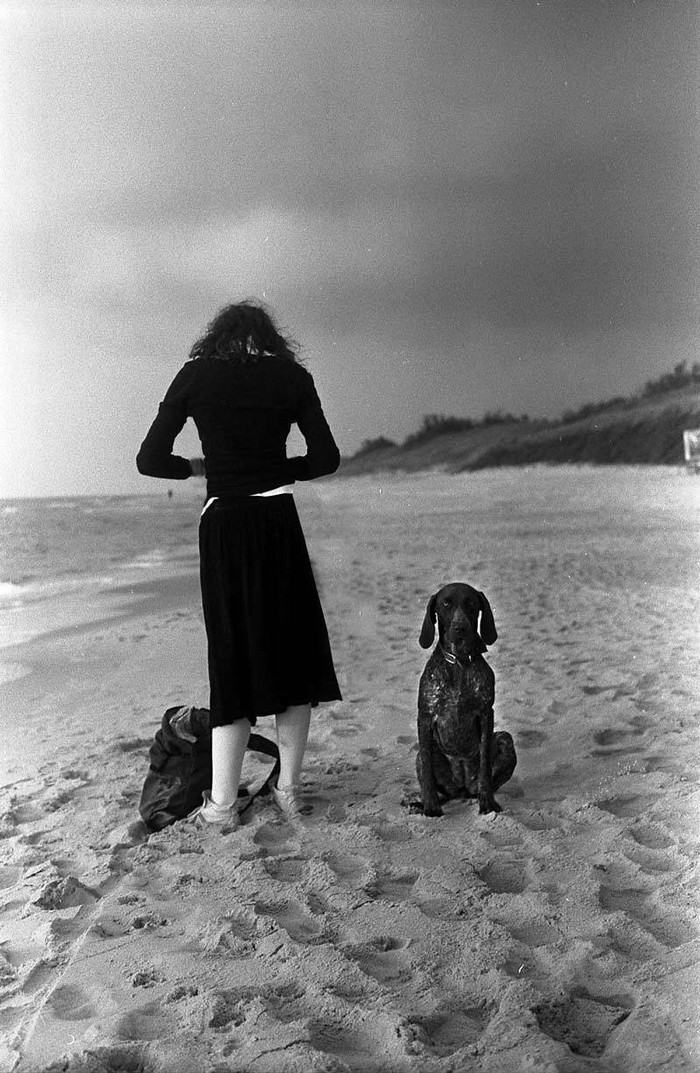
155	457
322	455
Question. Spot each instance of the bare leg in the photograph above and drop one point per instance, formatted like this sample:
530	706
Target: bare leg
292	733
228	745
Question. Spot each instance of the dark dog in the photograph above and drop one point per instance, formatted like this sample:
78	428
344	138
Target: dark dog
459	755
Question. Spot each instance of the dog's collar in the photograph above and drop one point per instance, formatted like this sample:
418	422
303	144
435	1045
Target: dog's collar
450	658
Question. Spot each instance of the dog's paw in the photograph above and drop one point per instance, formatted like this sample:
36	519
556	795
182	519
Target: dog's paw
412	803
432	810
488	804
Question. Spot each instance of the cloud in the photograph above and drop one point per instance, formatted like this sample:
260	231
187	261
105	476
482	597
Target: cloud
406	183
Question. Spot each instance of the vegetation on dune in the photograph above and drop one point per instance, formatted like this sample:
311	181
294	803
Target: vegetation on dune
369	446
642	428
440	424
681	376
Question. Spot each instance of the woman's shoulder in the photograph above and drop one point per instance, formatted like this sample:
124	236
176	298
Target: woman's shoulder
297	371
286	373
181	381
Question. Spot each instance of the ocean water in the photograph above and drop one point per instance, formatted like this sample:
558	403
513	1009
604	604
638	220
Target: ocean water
53	551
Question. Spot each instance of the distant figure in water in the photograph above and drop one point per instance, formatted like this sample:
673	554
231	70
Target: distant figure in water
170	493
268	647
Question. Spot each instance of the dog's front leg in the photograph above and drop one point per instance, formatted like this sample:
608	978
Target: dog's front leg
487	802
426	774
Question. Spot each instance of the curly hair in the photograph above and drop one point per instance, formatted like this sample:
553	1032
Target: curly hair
243	331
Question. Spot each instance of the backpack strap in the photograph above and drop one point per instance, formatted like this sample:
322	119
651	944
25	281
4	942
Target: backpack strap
259	744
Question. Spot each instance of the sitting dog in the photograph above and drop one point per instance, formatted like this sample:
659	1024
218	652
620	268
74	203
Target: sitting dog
458	753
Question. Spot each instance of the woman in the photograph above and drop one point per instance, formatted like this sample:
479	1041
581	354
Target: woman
268	649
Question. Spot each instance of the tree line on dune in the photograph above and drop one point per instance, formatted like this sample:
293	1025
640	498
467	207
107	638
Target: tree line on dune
434	425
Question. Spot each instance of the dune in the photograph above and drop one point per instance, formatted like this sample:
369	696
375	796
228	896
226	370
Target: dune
560	936
640	430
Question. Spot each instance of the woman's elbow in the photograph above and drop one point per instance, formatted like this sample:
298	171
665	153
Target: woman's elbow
144	464
327	463
334	460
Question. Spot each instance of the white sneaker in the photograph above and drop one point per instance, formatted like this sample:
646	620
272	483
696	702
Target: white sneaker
210	812
289	801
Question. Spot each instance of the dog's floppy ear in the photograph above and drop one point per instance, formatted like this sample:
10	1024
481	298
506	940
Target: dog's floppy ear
427	633
487	627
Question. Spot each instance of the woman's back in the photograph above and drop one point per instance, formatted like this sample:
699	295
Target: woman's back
243	410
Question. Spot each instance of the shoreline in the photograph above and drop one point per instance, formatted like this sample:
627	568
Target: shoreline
199	496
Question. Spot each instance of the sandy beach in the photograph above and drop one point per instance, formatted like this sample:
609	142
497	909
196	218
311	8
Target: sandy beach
560	936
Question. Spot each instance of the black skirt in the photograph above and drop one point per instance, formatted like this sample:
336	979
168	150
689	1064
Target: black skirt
267	641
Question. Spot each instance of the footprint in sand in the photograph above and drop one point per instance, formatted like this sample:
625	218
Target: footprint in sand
71	1003
65	893
530	739
502	836
274	839
626	807
609	736
352	872
144	1023
227	936
651	835
388	832
504	877
63	797
180	994
383	958
535	933
452	1029
286	870
652	848
669	927
10	876
617	739
286	1002
229	1008
623	890
406	739
109	927
629	940
342	726
393	888
23	812
130	745
147	921
650	861
627	899
583	1021
291	915
97	1058
76	773
147	978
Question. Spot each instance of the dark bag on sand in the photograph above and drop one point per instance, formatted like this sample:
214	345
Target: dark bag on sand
180	767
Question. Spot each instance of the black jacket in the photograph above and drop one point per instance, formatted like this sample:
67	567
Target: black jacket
243	412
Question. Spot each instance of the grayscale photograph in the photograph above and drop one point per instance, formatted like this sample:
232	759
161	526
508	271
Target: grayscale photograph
349	545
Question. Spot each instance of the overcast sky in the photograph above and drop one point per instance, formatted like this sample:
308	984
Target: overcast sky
454	206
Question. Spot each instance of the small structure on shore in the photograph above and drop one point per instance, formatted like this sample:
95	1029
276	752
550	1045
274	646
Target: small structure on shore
691	448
